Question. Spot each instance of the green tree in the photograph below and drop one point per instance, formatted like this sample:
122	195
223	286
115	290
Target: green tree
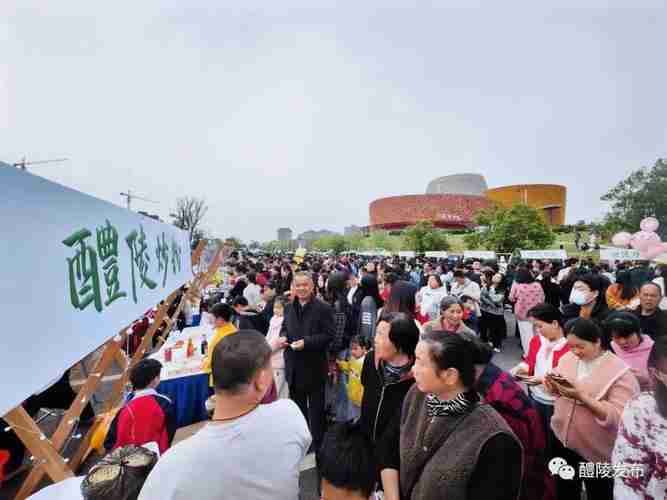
234	242
613	223
382	240
335	243
510	229
424	237
642	194
355	242
275	246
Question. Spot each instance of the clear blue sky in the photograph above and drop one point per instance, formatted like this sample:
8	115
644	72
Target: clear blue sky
300	116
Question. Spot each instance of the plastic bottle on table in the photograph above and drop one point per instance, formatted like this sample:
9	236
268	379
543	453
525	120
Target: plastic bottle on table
204	345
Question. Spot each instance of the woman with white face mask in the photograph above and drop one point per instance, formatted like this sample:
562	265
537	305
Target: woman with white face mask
587	299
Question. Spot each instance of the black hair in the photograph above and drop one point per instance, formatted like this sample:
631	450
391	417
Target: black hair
403	332
547	313
621	324
281	301
346	459
594	282
401	298
240	301
483	351
144	372
466	298
459	274
359	340
223	311
437	278
252	278
588	330
452	351
390	278
237	358
523	275
628	290
658	353
369	288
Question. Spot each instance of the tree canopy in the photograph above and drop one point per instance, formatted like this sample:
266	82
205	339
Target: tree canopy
642	194
505	230
424	237
335	243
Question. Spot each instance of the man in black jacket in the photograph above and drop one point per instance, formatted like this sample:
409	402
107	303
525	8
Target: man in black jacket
652	319
309	328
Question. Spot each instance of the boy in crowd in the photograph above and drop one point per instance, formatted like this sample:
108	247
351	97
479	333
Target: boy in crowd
470	316
147	416
346	464
352	368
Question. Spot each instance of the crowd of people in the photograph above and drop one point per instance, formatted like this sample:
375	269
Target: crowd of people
384	369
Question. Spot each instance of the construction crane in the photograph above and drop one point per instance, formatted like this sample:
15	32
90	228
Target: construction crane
22	164
129	197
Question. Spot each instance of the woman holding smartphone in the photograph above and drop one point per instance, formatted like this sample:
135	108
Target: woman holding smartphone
591	386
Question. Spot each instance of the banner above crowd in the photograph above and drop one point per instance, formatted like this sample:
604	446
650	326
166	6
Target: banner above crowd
479	254
544	254
619	254
76	270
436	255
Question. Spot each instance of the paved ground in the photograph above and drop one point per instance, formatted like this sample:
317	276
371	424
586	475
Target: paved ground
506	359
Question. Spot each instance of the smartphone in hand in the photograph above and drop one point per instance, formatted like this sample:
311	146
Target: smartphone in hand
559	380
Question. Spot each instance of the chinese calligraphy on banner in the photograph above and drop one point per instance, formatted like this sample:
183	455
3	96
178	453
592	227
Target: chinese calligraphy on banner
84	280
84	269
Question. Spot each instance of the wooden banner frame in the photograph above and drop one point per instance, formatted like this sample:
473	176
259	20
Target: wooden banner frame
47	453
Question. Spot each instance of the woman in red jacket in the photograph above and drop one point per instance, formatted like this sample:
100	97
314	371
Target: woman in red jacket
545	350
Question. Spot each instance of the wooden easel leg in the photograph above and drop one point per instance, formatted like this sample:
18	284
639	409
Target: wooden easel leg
119	385
45	454
72	415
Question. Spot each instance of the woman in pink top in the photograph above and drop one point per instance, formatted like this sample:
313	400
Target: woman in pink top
629	344
526	293
592	386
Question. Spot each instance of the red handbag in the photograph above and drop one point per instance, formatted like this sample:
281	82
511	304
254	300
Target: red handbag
271	395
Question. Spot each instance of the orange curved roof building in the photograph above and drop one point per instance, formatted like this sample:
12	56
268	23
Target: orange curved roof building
550	198
447	211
